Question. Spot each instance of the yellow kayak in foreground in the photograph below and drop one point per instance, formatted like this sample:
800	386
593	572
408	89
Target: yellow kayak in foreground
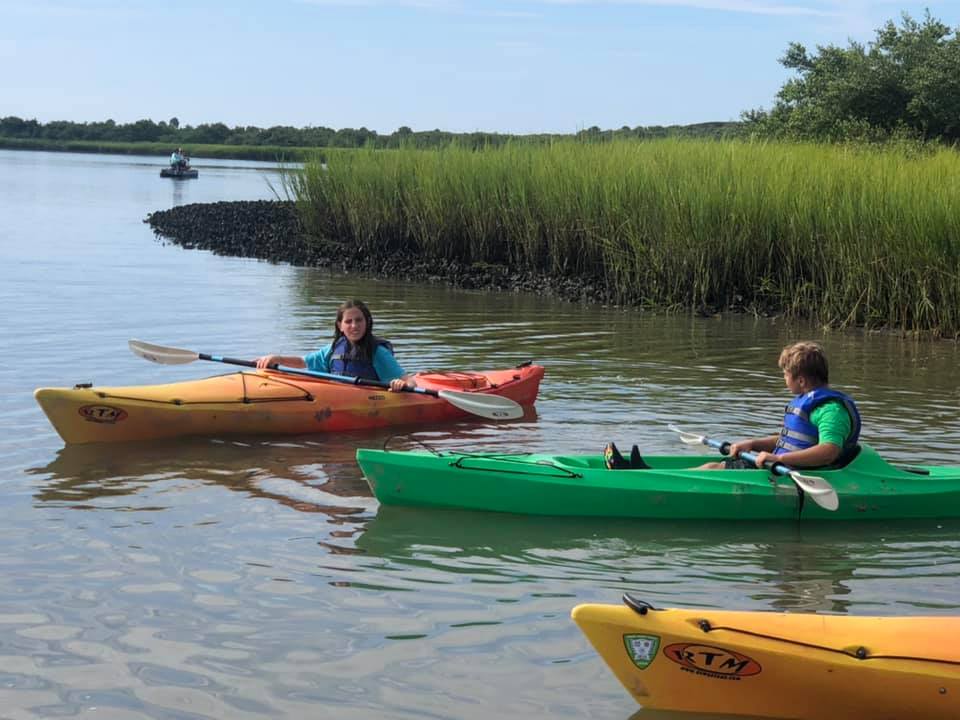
780	665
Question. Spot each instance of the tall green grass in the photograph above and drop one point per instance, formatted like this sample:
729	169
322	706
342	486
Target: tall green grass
843	235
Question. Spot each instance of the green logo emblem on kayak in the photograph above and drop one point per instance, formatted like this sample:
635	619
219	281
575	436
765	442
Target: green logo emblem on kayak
642	649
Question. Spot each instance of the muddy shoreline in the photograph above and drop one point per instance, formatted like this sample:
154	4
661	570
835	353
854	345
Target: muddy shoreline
271	230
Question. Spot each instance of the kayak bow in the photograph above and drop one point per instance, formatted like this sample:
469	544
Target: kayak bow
779	665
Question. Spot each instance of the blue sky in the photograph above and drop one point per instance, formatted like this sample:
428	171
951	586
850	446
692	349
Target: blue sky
518	66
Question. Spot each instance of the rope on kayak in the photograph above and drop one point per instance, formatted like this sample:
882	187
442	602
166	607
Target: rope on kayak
412	439
504	457
308	396
514	458
245	400
859	653
178	401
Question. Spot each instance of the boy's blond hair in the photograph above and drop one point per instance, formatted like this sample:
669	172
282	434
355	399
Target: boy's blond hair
806	359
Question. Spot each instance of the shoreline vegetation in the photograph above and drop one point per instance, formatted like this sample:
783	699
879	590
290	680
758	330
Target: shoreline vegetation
266	153
838	205
840	235
286	144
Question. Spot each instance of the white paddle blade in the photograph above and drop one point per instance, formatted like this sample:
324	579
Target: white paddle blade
492	407
819	490
687	438
161	354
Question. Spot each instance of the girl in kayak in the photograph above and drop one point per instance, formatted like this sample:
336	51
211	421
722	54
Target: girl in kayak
355	351
821	426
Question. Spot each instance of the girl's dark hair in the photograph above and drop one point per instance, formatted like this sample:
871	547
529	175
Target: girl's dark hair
367	346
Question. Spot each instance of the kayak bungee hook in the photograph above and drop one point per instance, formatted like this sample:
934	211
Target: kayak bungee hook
637	605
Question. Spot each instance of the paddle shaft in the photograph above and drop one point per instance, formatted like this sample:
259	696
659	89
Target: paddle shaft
492	407
724	448
313	373
818	488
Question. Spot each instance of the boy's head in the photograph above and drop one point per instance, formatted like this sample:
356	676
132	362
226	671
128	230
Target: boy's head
806	360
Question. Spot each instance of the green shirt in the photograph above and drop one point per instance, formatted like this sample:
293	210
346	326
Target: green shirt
833	422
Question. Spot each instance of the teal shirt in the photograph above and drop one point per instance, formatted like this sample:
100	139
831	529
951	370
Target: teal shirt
384	363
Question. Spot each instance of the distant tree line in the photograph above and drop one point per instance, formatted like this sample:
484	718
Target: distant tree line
904	84
175	134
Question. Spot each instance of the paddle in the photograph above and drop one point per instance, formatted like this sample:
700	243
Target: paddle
819	490
492	407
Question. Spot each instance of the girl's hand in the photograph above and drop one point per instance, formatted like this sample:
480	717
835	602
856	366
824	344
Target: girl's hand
266	361
400	384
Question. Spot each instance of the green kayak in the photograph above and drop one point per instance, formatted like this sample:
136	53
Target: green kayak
671	488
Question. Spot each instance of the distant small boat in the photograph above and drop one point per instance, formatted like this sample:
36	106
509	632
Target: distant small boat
182	173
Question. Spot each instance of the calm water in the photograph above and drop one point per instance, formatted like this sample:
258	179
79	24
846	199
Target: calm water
257	577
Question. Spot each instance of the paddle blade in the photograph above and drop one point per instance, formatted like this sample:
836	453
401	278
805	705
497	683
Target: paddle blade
687	438
492	407
819	490
162	354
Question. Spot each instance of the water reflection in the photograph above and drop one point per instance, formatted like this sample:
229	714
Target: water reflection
176	192
789	566
302	473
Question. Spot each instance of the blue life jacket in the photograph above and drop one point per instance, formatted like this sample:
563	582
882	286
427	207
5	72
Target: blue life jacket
798	433
343	360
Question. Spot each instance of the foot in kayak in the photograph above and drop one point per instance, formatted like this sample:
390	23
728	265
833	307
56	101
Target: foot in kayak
636	461
613	459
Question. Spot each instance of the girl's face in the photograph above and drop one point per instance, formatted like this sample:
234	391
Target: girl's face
353	324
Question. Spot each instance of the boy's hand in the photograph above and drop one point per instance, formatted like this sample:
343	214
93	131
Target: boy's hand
764	457
739	447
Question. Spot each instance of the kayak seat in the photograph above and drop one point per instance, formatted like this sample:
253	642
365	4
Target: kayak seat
846	461
456	380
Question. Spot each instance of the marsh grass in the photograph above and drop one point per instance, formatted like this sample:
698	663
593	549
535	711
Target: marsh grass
839	234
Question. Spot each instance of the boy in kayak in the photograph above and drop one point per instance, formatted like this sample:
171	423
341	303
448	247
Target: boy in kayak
821	426
355	351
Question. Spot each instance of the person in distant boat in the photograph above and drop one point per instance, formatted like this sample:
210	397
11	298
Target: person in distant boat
355	351
821	426
176	158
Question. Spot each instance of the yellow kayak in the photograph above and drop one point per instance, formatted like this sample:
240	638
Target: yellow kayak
267	402
780	665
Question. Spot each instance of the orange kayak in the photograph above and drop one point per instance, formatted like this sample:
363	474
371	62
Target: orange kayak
780	665
266	402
